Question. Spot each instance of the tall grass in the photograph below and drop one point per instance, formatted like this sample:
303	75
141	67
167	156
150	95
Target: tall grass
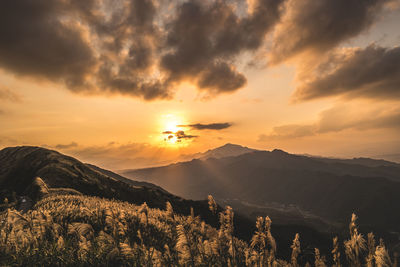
73	230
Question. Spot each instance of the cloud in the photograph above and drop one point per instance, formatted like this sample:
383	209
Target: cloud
318	26
372	72
66	146
210	126
182	135
8	95
179	135
288	132
117	156
337	119
221	77
145	48
35	41
343	117
205	38
140	48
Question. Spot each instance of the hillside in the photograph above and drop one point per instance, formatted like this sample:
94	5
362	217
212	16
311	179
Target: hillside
328	189
20	165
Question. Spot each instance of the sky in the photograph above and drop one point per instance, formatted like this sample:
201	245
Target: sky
136	83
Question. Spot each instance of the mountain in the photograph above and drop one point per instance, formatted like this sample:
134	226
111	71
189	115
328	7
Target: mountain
20	165
325	189
227	150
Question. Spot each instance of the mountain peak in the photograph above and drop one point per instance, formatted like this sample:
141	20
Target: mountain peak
280	152
227	150
230	145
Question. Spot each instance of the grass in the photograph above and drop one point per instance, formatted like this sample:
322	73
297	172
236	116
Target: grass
77	230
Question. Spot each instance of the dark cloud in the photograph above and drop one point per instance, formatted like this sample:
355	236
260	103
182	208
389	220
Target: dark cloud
8	95
371	72
337	119
210	126
145	48
180	135
320	25
183	135
205	37
221	77
35	41
133	47
66	146
92	46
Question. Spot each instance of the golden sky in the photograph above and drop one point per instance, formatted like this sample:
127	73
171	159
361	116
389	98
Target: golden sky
143	82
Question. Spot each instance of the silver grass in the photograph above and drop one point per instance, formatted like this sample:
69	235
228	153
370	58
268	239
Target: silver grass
295	250
381	256
212	205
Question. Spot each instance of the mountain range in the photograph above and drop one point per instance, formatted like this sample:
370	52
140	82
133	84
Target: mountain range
323	191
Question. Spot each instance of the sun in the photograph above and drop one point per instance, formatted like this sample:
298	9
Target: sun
170	125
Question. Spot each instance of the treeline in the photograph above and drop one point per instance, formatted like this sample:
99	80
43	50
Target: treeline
72	230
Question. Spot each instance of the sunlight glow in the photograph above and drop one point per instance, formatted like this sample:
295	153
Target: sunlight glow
169	128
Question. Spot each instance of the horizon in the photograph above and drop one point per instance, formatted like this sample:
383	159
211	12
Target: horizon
202	155
122	91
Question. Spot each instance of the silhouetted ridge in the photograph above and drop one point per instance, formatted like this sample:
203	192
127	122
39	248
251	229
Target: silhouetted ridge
329	189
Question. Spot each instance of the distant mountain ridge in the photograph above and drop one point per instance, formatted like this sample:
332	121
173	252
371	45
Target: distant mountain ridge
329	188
